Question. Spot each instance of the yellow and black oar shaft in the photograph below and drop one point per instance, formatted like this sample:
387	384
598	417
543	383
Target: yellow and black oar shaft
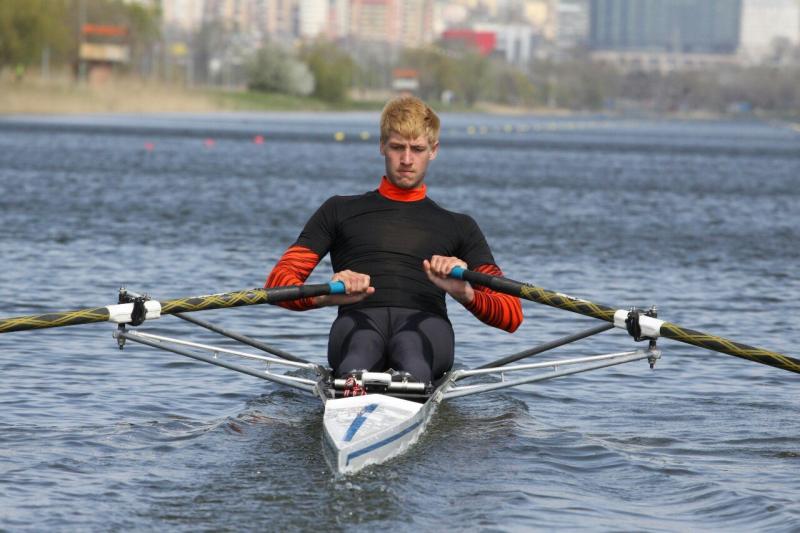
650	327
123	313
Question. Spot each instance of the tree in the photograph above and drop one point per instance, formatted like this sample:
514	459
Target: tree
333	70
464	72
470	70
508	85
27	27
272	69
580	83
436	70
144	25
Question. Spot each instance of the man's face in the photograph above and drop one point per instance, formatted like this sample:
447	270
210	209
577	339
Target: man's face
407	159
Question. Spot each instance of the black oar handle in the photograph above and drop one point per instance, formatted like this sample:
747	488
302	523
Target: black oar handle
603	312
536	294
180	305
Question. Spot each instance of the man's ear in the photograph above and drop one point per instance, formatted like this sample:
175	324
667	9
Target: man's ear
435	150
382	148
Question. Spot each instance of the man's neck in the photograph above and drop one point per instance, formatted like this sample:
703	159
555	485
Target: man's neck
391	191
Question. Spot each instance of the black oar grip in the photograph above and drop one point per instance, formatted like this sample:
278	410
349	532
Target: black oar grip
503	285
296	292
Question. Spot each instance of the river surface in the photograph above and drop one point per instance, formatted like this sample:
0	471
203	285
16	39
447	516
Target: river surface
701	219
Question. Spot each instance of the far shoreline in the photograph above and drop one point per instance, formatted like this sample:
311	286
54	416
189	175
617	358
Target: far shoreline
64	96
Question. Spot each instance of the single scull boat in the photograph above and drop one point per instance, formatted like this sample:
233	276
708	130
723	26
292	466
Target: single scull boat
374	416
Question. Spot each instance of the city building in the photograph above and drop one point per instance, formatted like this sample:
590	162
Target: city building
374	20
764	23
514	42
183	15
484	42
280	19
416	23
665	34
339	17
237	15
313	18
570	24
404	23
539	14
449	14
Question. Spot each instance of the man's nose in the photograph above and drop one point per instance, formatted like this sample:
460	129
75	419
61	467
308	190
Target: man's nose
406	157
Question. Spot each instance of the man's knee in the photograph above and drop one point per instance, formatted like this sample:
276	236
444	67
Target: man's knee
354	344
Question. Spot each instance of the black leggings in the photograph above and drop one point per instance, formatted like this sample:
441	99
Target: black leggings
381	338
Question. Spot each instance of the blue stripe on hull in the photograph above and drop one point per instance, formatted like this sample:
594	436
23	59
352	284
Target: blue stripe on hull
358	421
384	442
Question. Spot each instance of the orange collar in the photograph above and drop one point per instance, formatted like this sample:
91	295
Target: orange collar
391	191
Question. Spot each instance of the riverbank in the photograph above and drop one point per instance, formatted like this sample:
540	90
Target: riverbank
62	95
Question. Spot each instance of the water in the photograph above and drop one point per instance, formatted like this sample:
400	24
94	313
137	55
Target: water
700	218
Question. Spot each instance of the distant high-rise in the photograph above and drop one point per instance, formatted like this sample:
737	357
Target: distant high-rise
665	34
416	25
395	22
571	18
183	14
514	41
374	20
676	26
313	18
237	15
765	23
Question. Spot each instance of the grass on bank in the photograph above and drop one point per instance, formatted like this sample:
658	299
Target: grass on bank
259	101
63	95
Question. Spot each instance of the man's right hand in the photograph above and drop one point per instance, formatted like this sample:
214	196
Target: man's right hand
356	286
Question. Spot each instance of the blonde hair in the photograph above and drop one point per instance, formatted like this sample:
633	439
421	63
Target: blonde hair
409	117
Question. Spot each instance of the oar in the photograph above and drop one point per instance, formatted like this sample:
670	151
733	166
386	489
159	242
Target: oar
121	313
651	327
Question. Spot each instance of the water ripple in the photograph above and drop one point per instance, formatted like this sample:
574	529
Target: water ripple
623	212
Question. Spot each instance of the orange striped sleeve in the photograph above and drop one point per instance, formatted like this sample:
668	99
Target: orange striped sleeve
494	308
293	269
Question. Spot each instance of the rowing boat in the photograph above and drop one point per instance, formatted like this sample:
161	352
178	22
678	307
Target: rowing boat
371	417
387	413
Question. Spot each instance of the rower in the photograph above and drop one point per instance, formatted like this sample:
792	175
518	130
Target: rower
393	249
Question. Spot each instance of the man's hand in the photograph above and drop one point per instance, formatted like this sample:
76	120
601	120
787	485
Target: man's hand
438	269
356	286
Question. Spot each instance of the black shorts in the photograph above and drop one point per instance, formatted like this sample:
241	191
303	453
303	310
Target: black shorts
383	338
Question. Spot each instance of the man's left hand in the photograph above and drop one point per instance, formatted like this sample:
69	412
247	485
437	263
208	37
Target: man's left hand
438	270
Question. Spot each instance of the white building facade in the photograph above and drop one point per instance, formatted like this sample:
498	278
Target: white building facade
765	21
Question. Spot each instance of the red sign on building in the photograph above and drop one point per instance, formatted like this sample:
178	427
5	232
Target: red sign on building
484	42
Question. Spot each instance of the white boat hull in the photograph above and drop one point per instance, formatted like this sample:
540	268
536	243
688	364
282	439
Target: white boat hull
370	429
